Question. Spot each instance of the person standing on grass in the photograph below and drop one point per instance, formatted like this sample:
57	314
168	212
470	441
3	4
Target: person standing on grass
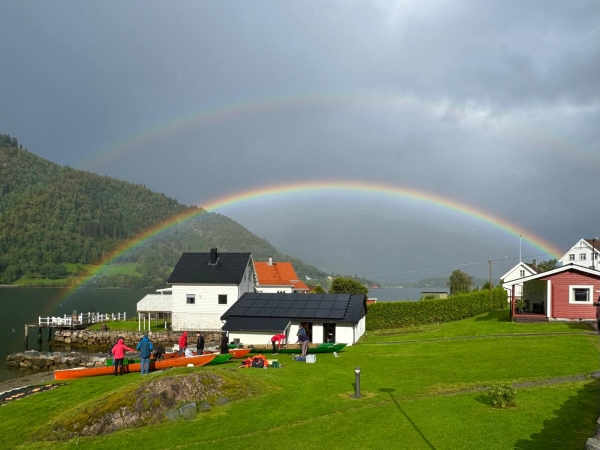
303	339
118	352
182	343
224	343
199	343
145	347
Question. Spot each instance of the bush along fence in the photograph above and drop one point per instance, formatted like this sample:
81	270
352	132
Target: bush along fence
456	307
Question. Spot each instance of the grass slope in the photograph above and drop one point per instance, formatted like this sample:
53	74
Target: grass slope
417	395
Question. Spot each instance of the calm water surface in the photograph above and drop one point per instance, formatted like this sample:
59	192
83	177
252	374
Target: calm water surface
21	306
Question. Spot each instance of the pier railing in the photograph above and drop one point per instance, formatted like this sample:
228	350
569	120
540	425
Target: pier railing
80	319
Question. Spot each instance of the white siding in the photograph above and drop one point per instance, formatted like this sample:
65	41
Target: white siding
249	338
344	333
515	274
360	328
206	313
247	284
273	289
579	249
317	333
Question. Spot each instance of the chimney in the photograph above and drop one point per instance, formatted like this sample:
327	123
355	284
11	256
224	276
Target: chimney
534	264
213	256
270	263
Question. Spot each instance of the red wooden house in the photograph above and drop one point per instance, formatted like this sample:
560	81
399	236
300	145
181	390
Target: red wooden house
567	293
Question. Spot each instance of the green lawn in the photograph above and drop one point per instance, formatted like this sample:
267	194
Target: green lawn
129	325
417	395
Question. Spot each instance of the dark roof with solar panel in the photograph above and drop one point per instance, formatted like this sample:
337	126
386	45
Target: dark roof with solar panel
304	307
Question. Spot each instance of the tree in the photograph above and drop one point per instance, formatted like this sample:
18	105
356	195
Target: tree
486	286
459	282
318	290
347	286
548	265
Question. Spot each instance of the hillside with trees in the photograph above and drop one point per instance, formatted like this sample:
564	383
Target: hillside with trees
54	218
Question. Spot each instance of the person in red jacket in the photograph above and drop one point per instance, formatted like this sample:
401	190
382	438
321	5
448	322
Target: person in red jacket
118	352
276	341
182	343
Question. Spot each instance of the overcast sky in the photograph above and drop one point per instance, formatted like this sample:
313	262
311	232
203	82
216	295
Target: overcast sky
491	104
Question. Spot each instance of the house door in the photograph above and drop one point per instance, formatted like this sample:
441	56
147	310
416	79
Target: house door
329	332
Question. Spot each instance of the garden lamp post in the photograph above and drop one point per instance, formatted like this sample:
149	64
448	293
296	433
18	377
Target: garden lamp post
357	383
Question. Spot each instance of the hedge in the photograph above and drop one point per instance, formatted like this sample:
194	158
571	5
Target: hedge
456	307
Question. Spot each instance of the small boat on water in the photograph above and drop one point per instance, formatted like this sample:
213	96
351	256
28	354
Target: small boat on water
82	372
320	348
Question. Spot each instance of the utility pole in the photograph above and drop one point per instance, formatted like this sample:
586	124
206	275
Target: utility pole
490	263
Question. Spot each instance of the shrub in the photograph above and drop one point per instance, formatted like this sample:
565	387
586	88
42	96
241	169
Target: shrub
411	314
502	395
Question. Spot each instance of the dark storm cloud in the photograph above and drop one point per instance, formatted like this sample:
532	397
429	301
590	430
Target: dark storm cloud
494	104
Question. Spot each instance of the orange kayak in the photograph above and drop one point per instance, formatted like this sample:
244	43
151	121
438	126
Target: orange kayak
69	374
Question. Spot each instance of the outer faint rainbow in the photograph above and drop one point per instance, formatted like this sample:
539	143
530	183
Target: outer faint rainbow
287	189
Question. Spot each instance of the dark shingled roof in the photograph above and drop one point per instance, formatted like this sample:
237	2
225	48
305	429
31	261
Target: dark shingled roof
275	325
194	268
305	307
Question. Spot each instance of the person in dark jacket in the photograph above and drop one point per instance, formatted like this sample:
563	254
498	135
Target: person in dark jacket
303	339
145	347
199	343
159	352
224	344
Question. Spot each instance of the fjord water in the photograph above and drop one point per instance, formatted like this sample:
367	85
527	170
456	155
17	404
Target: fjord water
23	305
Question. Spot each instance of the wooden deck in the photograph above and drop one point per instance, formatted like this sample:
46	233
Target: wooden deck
530	317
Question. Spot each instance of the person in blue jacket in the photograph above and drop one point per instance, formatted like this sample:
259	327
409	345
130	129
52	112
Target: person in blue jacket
145	347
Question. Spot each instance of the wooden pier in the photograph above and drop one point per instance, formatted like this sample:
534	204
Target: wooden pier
69	322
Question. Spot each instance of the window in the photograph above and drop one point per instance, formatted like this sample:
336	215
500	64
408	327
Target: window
581	294
521	273
582	257
571	256
222	299
191	299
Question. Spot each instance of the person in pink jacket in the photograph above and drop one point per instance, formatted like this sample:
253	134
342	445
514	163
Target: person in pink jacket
118	352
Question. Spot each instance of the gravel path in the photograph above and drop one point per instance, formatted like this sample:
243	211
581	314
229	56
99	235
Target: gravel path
27	380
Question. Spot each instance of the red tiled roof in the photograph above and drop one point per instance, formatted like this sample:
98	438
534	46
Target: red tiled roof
278	274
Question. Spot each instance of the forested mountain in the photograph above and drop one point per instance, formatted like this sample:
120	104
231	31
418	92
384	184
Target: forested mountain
51	215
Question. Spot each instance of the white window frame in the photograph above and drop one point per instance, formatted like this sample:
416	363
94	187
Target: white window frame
191	297
590	289
582	257
521	273
571	256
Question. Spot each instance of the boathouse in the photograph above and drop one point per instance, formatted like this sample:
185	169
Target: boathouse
256	317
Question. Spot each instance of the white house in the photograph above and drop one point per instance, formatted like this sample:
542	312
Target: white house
585	253
278	278
203	287
255	317
521	270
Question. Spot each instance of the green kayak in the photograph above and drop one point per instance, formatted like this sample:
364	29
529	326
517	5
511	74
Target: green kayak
321	348
220	359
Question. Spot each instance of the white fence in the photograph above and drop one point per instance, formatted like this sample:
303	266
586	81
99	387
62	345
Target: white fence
80	319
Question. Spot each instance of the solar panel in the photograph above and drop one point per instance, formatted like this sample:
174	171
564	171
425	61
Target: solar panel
308	313
252	295
277	296
266	312
251	312
259	303
337	314
300	304
315	297
246	303
272	303
326	305
330	297
322	313
294	312
240	310
312	304
338	305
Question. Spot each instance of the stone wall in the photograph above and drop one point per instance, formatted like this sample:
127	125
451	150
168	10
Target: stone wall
106	339
49	362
